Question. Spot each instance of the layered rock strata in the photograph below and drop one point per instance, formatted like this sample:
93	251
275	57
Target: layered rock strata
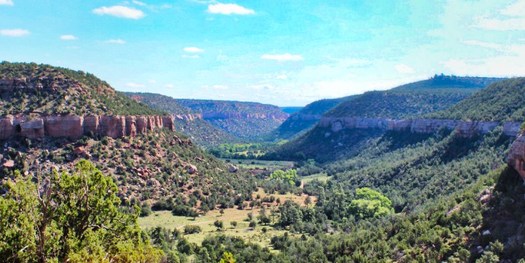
463	128
76	126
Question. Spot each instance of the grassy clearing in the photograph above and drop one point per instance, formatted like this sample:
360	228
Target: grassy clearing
260	164
167	220
323	177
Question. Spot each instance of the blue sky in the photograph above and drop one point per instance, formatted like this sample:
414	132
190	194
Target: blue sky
273	51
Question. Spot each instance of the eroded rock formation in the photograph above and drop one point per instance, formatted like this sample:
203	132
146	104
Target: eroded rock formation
463	128
72	126
516	156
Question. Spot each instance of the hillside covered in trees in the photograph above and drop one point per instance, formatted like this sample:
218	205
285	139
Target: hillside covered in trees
187	121
500	101
36	88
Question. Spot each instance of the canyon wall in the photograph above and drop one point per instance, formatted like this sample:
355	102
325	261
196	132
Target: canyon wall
516	156
463	128
72	126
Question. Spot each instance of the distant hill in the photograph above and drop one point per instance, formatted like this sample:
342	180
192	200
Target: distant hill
246	120
32	88
187	121
414	99
407	101
306	118
291	110
500	101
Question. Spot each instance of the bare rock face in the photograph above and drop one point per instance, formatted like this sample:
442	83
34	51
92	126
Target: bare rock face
142	124
91	124
512	128
516	156
32	129
463	128
7	129
168	122
131	126
113	126
64	126
232	168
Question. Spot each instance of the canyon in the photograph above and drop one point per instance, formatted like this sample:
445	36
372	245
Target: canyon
72	126
463	128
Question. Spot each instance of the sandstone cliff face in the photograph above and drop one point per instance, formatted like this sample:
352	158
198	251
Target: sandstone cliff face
516	156
463	128
77	126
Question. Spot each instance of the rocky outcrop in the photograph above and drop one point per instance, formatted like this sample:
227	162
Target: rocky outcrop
463	128
188	117
516	156
72	126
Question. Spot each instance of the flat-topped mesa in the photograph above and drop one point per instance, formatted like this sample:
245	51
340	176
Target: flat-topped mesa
463	128
516	156
71	126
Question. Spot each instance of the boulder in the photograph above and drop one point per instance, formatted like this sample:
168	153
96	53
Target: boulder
9	164
191	169
232	168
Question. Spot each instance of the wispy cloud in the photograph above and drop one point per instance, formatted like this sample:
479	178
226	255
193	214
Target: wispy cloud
116	41
68	37
138	3
229	9
193	50
6	2
14	32
282	57
120	11
512	17
404	69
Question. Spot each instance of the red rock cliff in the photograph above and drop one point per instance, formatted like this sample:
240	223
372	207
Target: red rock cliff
76	126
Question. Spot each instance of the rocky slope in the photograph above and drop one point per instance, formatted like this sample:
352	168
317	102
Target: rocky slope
306	118
123	138
187	121
245	120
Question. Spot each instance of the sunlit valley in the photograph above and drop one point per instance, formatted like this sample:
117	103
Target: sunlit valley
257	151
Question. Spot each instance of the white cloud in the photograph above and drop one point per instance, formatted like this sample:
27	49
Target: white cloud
282	57
219	87
404	69
513	18
515	9
169	86
6	2
139	3
229	9
119	11
134	85
501	24
14	32
68	37
117	41
193	50
510	63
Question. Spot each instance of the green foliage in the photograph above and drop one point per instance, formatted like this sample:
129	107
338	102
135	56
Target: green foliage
501	101
227	257
191	229
370	203
71	217
288	176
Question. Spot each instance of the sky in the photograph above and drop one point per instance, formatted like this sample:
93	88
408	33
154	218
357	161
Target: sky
281	52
